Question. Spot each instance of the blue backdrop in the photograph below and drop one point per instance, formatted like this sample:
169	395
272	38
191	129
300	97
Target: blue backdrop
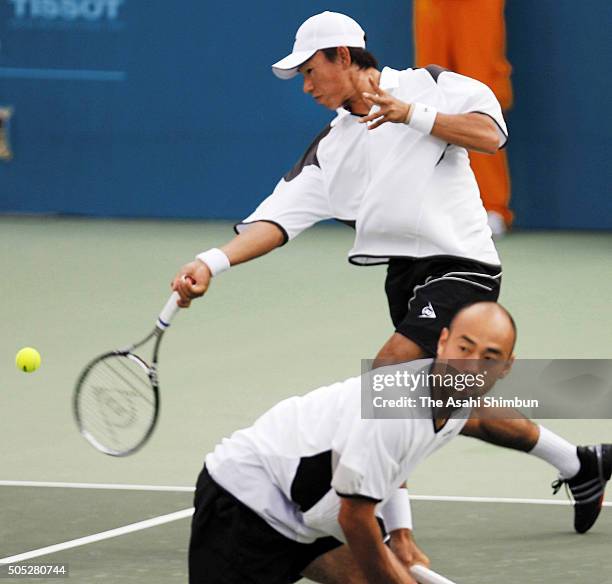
158	109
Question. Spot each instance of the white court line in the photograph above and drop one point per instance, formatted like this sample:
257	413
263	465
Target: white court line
109	486
146	524
454	499
178	489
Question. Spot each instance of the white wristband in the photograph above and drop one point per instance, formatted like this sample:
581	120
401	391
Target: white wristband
215	259
423	117
396	511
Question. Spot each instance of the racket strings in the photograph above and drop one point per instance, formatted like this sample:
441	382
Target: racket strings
111	416
146	394
117	404
99	427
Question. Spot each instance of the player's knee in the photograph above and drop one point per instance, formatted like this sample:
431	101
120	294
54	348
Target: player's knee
398	349
472	428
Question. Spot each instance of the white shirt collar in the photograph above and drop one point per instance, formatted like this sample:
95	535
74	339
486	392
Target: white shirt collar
389	79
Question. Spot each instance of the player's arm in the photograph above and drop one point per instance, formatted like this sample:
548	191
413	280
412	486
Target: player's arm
397	516
358	522
471	130
193	278
259	239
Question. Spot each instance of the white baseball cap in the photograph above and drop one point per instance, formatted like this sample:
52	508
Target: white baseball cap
321	31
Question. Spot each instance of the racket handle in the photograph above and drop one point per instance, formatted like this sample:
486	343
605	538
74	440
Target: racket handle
168	311
426	576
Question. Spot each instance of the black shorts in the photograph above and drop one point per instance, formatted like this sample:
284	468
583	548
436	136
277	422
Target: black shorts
425	294
231	544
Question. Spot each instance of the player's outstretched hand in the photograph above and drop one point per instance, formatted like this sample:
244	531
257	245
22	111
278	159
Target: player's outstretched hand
406	550
191	282
390	109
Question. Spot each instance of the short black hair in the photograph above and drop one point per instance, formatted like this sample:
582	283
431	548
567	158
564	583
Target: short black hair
360	57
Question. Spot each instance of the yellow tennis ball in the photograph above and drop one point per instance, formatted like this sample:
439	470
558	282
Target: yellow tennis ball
28	360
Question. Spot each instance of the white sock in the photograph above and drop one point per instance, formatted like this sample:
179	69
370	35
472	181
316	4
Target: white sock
558	452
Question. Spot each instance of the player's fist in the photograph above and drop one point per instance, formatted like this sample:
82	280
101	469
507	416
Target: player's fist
405	548
191	282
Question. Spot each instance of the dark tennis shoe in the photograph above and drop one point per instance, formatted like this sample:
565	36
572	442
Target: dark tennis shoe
588	485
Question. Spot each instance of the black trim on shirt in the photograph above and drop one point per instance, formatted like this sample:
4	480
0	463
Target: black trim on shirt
312	480
500	128
435	71
309	157
433	417
384	259
284	232
349	222
364	497
443	153
347	107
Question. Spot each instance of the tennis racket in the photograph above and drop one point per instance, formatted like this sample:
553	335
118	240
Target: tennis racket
116	398
424	575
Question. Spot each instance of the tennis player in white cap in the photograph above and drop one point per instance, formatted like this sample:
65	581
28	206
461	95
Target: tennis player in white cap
393	163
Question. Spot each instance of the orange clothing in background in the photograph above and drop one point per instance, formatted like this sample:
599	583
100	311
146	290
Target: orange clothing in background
469	37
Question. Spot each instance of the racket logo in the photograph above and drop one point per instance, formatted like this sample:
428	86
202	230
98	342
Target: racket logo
118	412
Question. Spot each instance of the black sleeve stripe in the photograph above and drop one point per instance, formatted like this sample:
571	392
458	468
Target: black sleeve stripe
443	153
283	230
309	157
349	222
354	496
500	128
435	71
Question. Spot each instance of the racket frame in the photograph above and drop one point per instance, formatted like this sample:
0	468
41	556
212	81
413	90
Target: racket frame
151	371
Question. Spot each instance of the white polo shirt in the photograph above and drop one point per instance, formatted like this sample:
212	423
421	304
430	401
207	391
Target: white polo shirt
408	193
291	465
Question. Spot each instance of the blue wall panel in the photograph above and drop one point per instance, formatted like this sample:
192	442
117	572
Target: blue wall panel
561	134
183	118
196	126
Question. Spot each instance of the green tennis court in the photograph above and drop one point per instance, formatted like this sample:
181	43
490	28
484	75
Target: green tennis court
471	541
282	325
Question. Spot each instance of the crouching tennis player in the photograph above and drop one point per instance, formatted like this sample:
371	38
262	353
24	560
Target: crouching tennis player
300	493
